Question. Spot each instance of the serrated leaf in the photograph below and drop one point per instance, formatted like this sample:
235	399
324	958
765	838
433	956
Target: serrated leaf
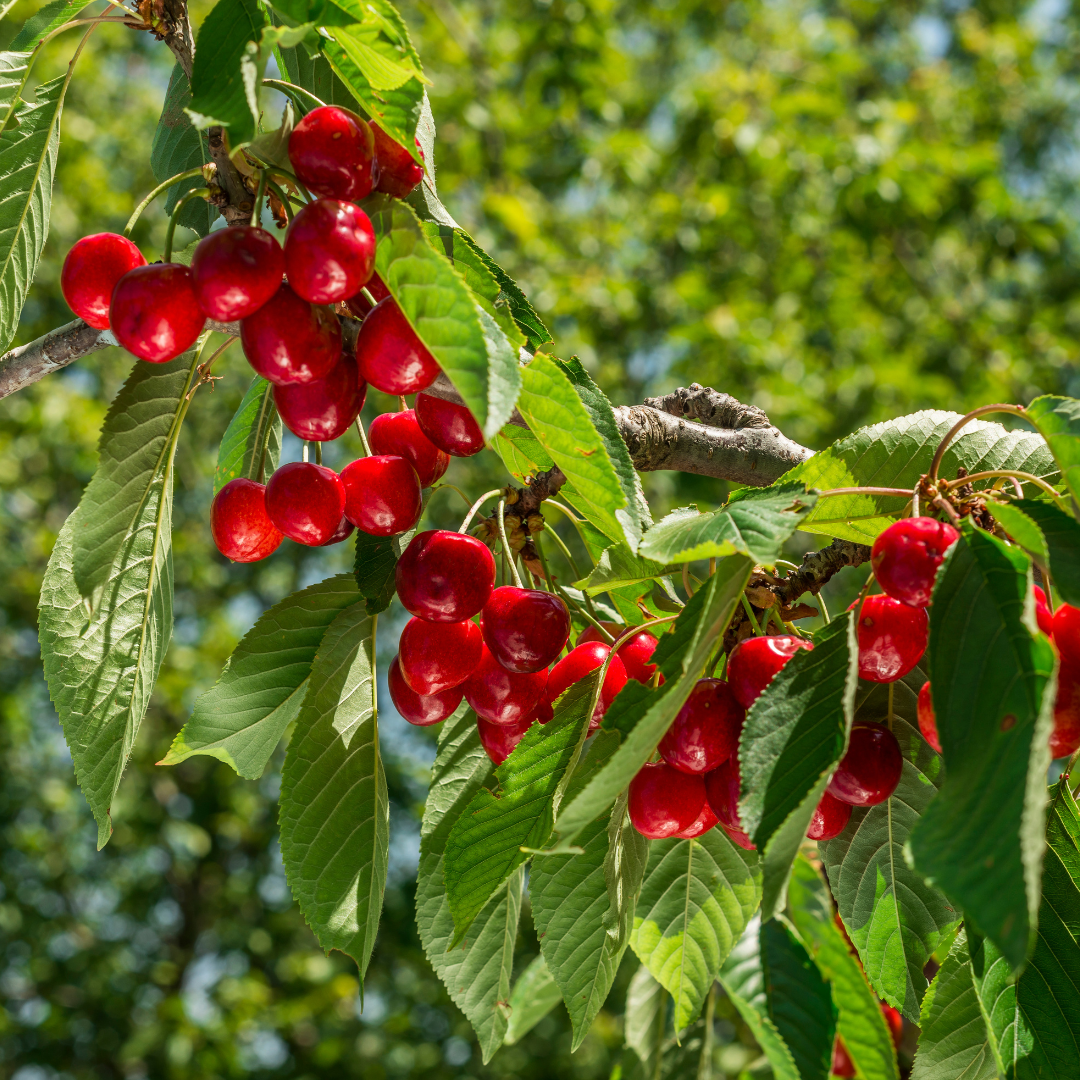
644	1021
534	995
1021	529
373	568
618	567
1058	421
43	22
1061	535
521	452
315	74
251	444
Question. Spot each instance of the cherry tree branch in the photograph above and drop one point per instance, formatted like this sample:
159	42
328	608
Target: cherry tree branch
712	407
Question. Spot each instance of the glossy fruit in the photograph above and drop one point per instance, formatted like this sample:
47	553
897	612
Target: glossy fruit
449	426
1065	737
154	313
397	172
894	1022
722	791
438	656
906	557
91	270
399	433
1043	615
289	341
382	494
332	151
501	696
499	740
423	710
241	528
359	305
1067	632
663	801
706	820
927	719
843	1068
581	660
391	357
444	576
235	271
754	662
635	652
892	638
306	502
342	532
329	251
324	409
830	817
705	732
870	770
525	629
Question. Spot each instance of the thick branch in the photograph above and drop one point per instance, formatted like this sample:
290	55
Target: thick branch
168	21
712	407
819	566
58	348
238	203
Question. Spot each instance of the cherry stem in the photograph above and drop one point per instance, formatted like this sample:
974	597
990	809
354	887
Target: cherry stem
163	186
282	198
750	614
198	193
574	568
292	178
543	564
318	453
824	610
476	506
506	544
1027	478
204	369
892	688
947	510
451	487
865	491
935	464
291	88
256	210
363	437
686	581
590	619
778	619
577	523
617	644
365	292
305	452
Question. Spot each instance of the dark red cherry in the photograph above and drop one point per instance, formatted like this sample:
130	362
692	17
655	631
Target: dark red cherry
755	661
578	663
722	791
892	638
235	271
154	313
1065	736
1067	632
635	652
927	720
91	270
306	502
420	709
663	801
398	433
332	152
894	1022
444	576
1043	615
906	557
342	532
241	528
870	770
382	495
501	696
706	820
843	1068
830	818
329	251
323	409
449	426
525	629
391	357
438	656
397	172
499	740
359	305
705	732
289	340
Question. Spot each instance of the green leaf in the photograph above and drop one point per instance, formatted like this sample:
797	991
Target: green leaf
521	452
243	717
534	995
252	442
644	1022
618	567
315	74
1061	535
1058	421
43	22
376	559
1020	528
981	839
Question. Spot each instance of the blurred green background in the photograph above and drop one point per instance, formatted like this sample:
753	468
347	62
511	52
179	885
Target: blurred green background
838	211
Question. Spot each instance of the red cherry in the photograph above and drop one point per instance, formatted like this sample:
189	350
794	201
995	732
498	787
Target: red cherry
332	152
499	740
235	271
870	770
422	710
359	305
706	820
722	791
398	173
501	696
449	426
438	656
154	313
590	633
324	409
578	663
830	817
894	1022
843	1068
306	502
289	341
525	629
706	730
634	652
665	802
927	720
329	251
241	528
1067	632
892	638
445	576
382	495
1043	615
398	433
906	557
756	660
91	270
391	357
342	532
1065	737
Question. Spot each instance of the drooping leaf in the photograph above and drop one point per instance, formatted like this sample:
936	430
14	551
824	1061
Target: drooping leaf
44	21
251	444
644	1022
1058	421
1061	535
618	567
534	995
376	558
1021	528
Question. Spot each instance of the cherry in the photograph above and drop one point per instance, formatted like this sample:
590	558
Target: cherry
342	532
91	270
499	740
870	770
578	663
306	502
1065	737
399	433
382	495
830	817
241	528
1067	632
664	802
756	660
906	557
892	638
420	709
290	341
391	357
235	271
332	152
438	656
359	305
722	791
329	251
634	653
154	313
449	426
324	409
706	730
927	720
444	576
706	820
843	1068
501	696
1043	615
525	629
397	172
894	1022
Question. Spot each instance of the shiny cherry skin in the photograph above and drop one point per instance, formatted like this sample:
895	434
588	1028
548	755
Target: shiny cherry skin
235	271
722	791
525	629
755	661
830	818
444	576
423	710
924	708
306	502
399	433
239	523
705	732
359	305
91	270
894	1022
499	740
323	409
1067	632
329	251
870	770
342	532
438	656
706	820
154	313
579	662
289	340
906	557
635	653
501	696
449	426
382	495
391	357
663	801
1065	736
843	1068
397	172
333	153
1043	615
892	638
